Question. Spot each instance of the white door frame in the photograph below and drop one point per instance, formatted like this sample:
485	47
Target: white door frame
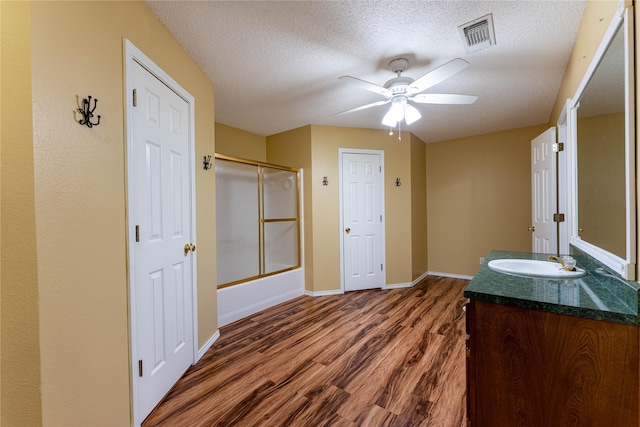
135	55
342	151
562	168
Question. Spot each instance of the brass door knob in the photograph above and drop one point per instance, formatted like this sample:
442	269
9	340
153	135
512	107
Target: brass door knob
189	247
347	230
193	248
580	230
531	229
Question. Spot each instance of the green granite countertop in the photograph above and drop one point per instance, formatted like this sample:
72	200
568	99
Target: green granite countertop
599	295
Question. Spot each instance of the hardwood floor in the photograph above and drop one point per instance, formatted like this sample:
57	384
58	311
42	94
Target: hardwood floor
369	358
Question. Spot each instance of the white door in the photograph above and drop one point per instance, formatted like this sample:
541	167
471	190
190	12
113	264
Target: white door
163	256
363	261
543	193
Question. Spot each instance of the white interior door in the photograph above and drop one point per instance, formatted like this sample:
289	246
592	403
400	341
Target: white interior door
362	203
163	252
543	192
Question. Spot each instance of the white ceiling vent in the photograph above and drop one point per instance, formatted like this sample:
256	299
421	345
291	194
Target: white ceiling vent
477	34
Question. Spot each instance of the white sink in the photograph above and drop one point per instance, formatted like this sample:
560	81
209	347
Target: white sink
535	268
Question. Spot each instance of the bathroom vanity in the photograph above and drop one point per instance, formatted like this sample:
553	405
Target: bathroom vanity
552	352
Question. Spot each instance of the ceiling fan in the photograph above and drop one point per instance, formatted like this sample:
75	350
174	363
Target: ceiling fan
401	90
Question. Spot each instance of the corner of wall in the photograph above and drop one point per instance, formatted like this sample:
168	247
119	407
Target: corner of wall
20	375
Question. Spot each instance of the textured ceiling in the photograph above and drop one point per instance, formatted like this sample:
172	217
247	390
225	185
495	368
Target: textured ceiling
275	64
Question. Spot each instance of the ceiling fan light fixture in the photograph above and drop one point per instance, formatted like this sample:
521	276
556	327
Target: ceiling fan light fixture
388	120
411	114
395	113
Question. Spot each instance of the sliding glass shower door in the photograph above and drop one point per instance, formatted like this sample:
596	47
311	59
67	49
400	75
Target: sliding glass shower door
257	219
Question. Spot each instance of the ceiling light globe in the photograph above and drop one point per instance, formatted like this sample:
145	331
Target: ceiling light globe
411	114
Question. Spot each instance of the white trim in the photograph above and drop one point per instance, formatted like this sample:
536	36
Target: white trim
614	262
208	344
563	169
383	233
453	276
420	279
133	54
624	266
323	293
407	285
398	286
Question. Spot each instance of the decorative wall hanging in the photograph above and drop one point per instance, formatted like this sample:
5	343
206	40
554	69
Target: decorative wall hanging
325	181
398	183
87	112
207	163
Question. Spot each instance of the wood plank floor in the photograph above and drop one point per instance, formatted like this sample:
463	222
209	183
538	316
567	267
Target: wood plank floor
369	358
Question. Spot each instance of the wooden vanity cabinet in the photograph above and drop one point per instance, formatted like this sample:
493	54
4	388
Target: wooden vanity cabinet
540	369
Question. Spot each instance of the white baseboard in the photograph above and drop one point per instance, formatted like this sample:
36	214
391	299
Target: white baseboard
395	285
323	293
398	285
407	285
453	276
420	279
245	299
208	344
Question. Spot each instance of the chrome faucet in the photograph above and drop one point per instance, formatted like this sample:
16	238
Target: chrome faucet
561	261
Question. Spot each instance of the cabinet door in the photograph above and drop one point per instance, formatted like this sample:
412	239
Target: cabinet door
471	375
534	368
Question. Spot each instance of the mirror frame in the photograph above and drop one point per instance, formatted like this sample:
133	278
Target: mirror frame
626	267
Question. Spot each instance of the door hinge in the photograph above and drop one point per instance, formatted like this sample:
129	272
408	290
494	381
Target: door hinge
380	218
557	147
380	169
137	233
135	97
558	217
140	367
380	267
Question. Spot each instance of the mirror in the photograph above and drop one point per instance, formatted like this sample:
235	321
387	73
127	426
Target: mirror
600	153
603	218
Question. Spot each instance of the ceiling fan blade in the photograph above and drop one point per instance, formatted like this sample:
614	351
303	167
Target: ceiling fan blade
434	77
362	107
443	98
372	87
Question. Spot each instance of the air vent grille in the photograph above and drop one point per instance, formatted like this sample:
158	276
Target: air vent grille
477	34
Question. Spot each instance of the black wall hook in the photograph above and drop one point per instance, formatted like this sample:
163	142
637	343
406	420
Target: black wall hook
398	183
207	163
87	112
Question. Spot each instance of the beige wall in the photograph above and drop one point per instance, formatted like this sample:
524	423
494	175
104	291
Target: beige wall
419	245
595	22
239	143
601	182
326	140
479	198
74	194
315	149
20	374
